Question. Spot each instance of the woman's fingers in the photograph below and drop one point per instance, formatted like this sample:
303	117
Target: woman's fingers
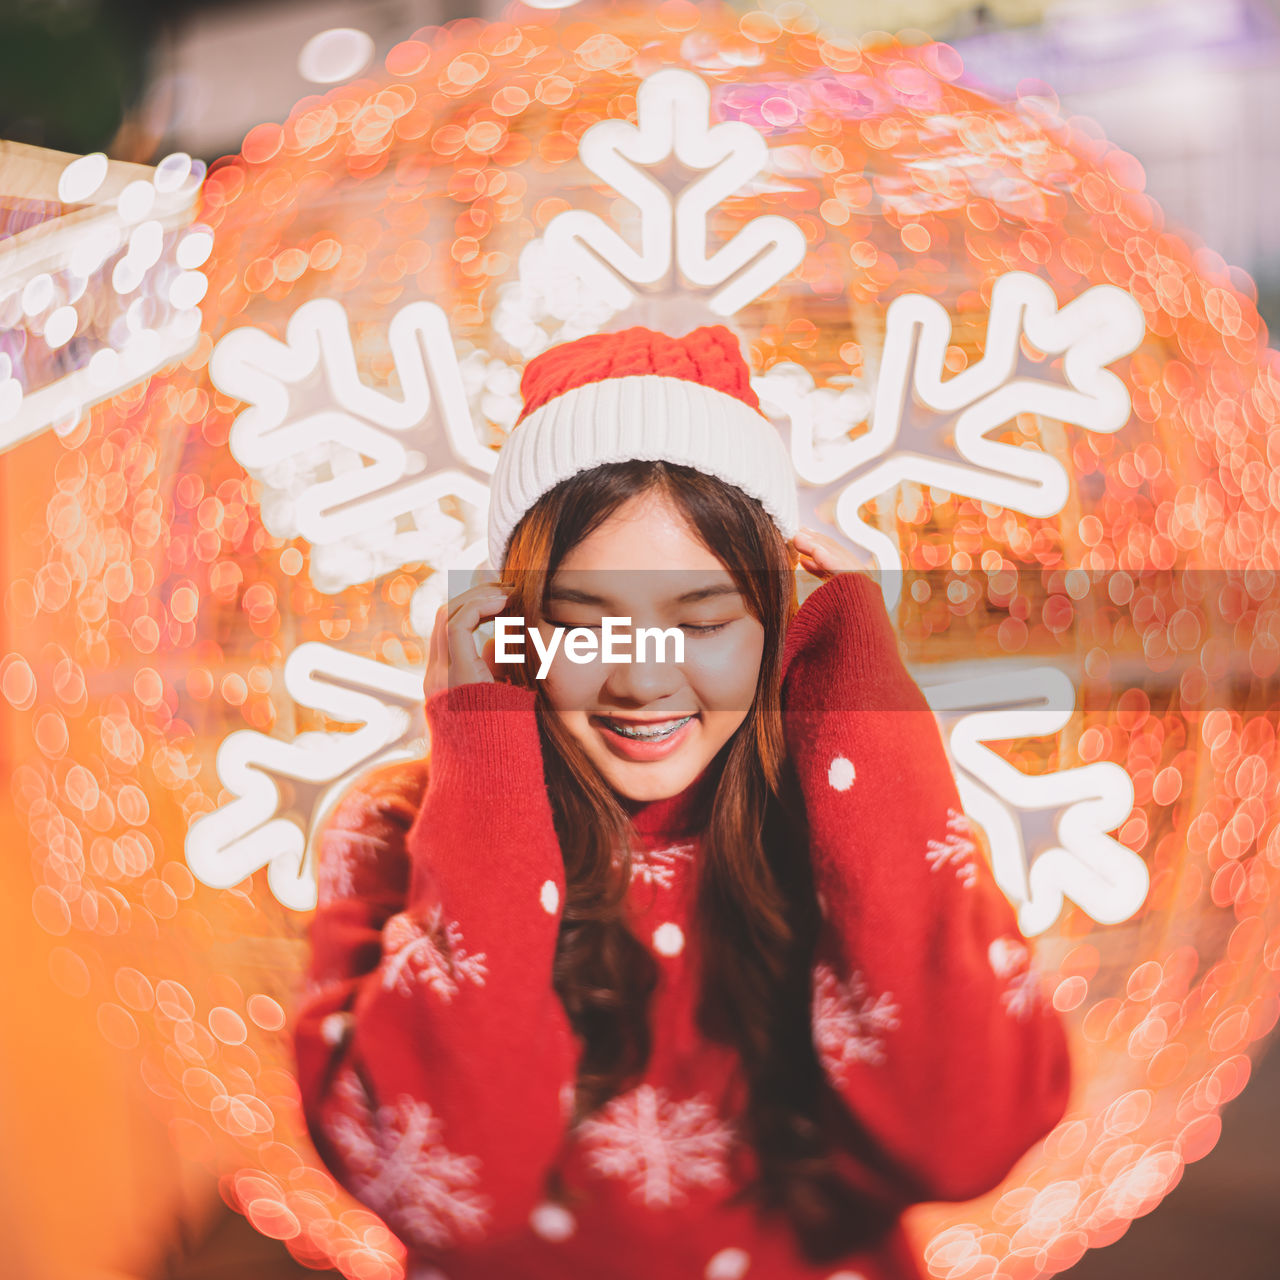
437	674
471	608
487	652
824	556
814	553
451	651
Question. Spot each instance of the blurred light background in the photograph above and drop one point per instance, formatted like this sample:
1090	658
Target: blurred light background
1187	86
88	1186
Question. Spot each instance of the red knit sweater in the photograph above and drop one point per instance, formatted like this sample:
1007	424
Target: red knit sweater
436	1063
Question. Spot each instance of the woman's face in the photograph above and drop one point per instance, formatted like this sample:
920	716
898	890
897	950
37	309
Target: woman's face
647	563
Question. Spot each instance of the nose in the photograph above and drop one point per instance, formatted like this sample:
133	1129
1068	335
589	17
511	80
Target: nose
642	683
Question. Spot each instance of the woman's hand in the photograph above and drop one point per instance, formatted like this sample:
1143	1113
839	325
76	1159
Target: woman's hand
453	643
824	557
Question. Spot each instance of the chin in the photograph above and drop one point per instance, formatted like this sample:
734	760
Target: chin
642	780
657	781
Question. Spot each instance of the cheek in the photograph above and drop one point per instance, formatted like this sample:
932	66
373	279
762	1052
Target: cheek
576	725
571	686
725	675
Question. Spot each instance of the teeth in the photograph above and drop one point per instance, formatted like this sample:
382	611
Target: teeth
650	733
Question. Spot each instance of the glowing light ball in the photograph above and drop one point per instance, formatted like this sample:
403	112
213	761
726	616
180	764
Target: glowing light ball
1048	421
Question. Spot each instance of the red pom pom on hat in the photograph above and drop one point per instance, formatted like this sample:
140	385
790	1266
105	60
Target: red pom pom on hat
709	355
640	394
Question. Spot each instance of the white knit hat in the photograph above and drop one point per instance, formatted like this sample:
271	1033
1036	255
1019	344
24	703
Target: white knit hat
613	397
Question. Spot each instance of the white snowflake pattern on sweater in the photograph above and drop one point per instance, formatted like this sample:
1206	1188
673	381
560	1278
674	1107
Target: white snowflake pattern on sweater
396	1164
432	954
957	850
849	1023
340	855
659	866
661	1147
1010	961
314	986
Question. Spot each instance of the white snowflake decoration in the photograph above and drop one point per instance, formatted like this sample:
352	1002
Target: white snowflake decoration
1010	961
362	474
659	867
1022	997
957	849
830	414
397	1166
582	272
663	1148
673	109
430	954
255	827
1047	832
929	428
312	422
849	1023
341	854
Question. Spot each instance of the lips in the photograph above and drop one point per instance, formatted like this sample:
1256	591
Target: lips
647	730
643	739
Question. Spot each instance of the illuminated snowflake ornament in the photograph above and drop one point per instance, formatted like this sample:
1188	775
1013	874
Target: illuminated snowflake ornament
936	431
1080	860
313	423
258	827
1044	421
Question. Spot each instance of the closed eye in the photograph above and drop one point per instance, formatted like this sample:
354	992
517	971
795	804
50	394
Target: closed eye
700	630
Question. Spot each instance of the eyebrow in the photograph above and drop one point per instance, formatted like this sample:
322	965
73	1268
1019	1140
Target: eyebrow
573	596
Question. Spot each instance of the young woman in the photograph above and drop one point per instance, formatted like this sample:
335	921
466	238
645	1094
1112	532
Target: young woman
666	968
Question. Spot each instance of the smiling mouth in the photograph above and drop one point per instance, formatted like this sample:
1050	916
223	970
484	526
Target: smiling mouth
645	731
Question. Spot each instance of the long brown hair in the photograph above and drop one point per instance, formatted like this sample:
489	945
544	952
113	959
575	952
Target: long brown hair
757	915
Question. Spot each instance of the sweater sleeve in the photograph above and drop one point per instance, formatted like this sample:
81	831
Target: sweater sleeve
927	1015
435	1061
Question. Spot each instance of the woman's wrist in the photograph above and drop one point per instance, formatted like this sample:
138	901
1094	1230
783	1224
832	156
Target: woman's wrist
484	738
482	695
840	648
487	810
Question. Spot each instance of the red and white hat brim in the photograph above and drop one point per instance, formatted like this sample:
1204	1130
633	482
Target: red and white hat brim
644	416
